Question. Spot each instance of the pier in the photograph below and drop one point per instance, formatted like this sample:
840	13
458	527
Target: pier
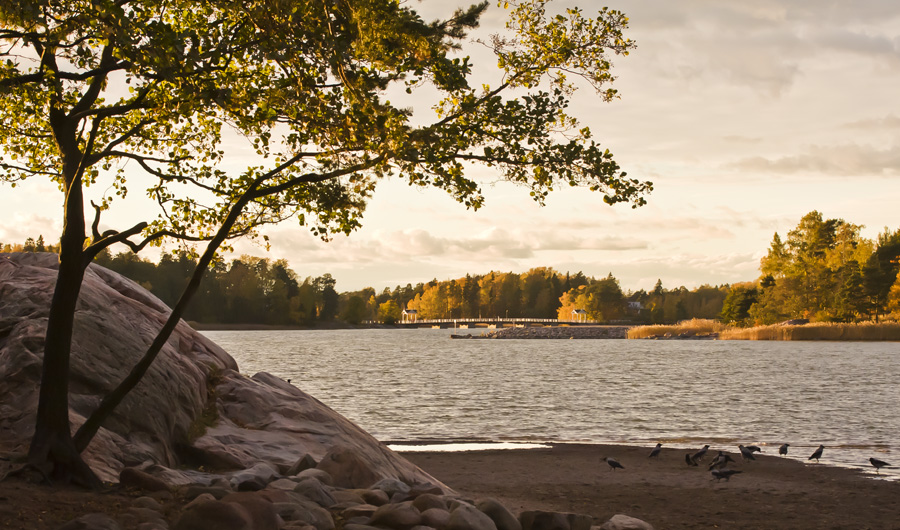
489	323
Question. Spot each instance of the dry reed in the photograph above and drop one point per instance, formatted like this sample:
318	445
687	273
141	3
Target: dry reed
697	326
863	331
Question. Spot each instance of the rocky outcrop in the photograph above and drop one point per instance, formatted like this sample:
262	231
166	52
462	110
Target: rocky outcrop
193	409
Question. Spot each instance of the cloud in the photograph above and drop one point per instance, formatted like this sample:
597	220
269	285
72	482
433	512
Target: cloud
25	225
889	122
843	161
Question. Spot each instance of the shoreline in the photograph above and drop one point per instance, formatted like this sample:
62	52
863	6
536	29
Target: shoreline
771	492
475	445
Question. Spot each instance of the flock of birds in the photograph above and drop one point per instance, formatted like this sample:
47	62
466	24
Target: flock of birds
717	467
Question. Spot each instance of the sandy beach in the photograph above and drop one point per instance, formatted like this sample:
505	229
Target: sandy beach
771	492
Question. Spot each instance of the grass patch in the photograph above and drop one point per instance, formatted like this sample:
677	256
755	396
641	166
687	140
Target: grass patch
863	331
686	328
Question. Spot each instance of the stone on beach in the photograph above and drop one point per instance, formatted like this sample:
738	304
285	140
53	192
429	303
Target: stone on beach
543	520
402	516
467	517
498	513
624	522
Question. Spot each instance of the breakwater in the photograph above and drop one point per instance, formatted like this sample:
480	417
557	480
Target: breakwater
556	332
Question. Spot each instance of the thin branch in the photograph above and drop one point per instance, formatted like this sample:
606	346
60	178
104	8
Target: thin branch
95	226
29	171
109	238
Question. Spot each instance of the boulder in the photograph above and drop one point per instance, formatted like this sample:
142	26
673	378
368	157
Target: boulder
282	484
401	516
261	510
391	486
306	515
347	497
145	515
498	513
193	492
193	407
427	501
317	474
147	502
254	478
302	464
315	491
203	497
376	497
467	517
624	522
214	515
348	468
436	518
92	521
541	520
360	510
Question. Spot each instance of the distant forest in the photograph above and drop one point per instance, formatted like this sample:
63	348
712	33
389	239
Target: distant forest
823	271
253	290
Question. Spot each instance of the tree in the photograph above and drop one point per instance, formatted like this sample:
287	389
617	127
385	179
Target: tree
95	92
881	270
813	273
736	308
355	310
389	312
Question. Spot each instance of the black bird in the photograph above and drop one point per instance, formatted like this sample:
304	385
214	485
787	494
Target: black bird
746	453
721	460
719	474
688	460
656	450
783	449
754	448
817	454
698	456
878	464
613	463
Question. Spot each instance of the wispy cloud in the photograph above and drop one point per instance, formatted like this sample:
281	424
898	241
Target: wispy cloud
848	160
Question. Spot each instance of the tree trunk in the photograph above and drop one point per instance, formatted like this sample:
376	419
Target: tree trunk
52	448
89	428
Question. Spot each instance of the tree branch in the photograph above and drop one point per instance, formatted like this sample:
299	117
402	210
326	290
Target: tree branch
108	238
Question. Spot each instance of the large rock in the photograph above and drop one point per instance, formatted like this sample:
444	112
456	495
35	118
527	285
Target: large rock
624	522
467	517
214	515
92	521
192	408
503	518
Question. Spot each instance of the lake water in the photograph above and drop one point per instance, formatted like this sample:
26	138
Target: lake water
421	386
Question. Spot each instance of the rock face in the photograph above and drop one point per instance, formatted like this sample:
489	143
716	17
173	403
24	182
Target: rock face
193	407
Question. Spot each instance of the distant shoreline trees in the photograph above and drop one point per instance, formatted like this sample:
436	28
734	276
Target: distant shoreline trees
823	271
260	291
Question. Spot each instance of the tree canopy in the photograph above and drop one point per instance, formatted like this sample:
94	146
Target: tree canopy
103	96
824	271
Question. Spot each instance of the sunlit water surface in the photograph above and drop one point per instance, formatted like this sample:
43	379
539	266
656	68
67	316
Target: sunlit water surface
421	386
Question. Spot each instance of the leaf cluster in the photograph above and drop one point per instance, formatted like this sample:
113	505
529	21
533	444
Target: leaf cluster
153	92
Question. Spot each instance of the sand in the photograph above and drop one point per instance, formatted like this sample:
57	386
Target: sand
771	492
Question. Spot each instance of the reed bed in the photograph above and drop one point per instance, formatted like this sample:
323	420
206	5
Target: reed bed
863	331
696	326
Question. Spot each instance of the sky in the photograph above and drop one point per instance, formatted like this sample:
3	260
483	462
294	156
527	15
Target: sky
744	115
